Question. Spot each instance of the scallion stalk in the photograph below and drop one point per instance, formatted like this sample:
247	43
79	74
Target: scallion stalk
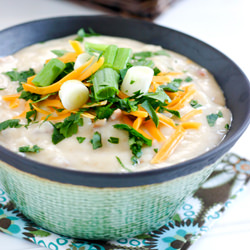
122	57
109	55
95	46
105	83
49	73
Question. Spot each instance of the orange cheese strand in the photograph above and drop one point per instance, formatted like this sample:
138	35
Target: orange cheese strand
137	123
91	70
191	125
10	98
76	46
27	109
68	57
138	113
183	99
166	120
15	103
56	118
127	121
154	131
191	114
145	134
56	86
161	79
38	109
52	103
122	95
169	146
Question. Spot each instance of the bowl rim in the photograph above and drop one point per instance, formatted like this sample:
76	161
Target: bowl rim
118	180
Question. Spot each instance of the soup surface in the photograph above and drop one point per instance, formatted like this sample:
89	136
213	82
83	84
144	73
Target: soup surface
182	114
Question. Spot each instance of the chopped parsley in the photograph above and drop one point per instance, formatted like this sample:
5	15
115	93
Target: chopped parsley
80	139
188	79
113	140
195	104
212	118
136	141
2	88
227	126
96	140
29	114
30	149
156	150
26	95
156	71
19	76
81	34
66	128
12	123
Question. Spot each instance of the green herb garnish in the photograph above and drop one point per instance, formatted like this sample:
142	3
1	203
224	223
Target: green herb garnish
81	34
26	95
59	53
151	111
12	123
66	128
113	140
136	141
29	149
212	118
122	165
195	104
96	140
20	77
80	139
188	79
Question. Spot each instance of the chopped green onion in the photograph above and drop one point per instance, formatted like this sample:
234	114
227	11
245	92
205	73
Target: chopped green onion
95	46
105	83
59	52
109	55
122	57
49	73
113	140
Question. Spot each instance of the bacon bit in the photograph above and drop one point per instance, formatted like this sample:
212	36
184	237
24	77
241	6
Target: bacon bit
116	115
99	123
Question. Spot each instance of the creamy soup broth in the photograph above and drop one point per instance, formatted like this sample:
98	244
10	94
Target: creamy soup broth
69	153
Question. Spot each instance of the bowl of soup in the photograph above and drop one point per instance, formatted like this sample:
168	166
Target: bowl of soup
108	124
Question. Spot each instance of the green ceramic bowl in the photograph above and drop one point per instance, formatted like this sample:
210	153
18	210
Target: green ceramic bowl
112	205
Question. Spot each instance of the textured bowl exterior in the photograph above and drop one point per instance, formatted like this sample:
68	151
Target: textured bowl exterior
98	213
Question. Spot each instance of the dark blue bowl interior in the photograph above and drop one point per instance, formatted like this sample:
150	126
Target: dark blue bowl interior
230	78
